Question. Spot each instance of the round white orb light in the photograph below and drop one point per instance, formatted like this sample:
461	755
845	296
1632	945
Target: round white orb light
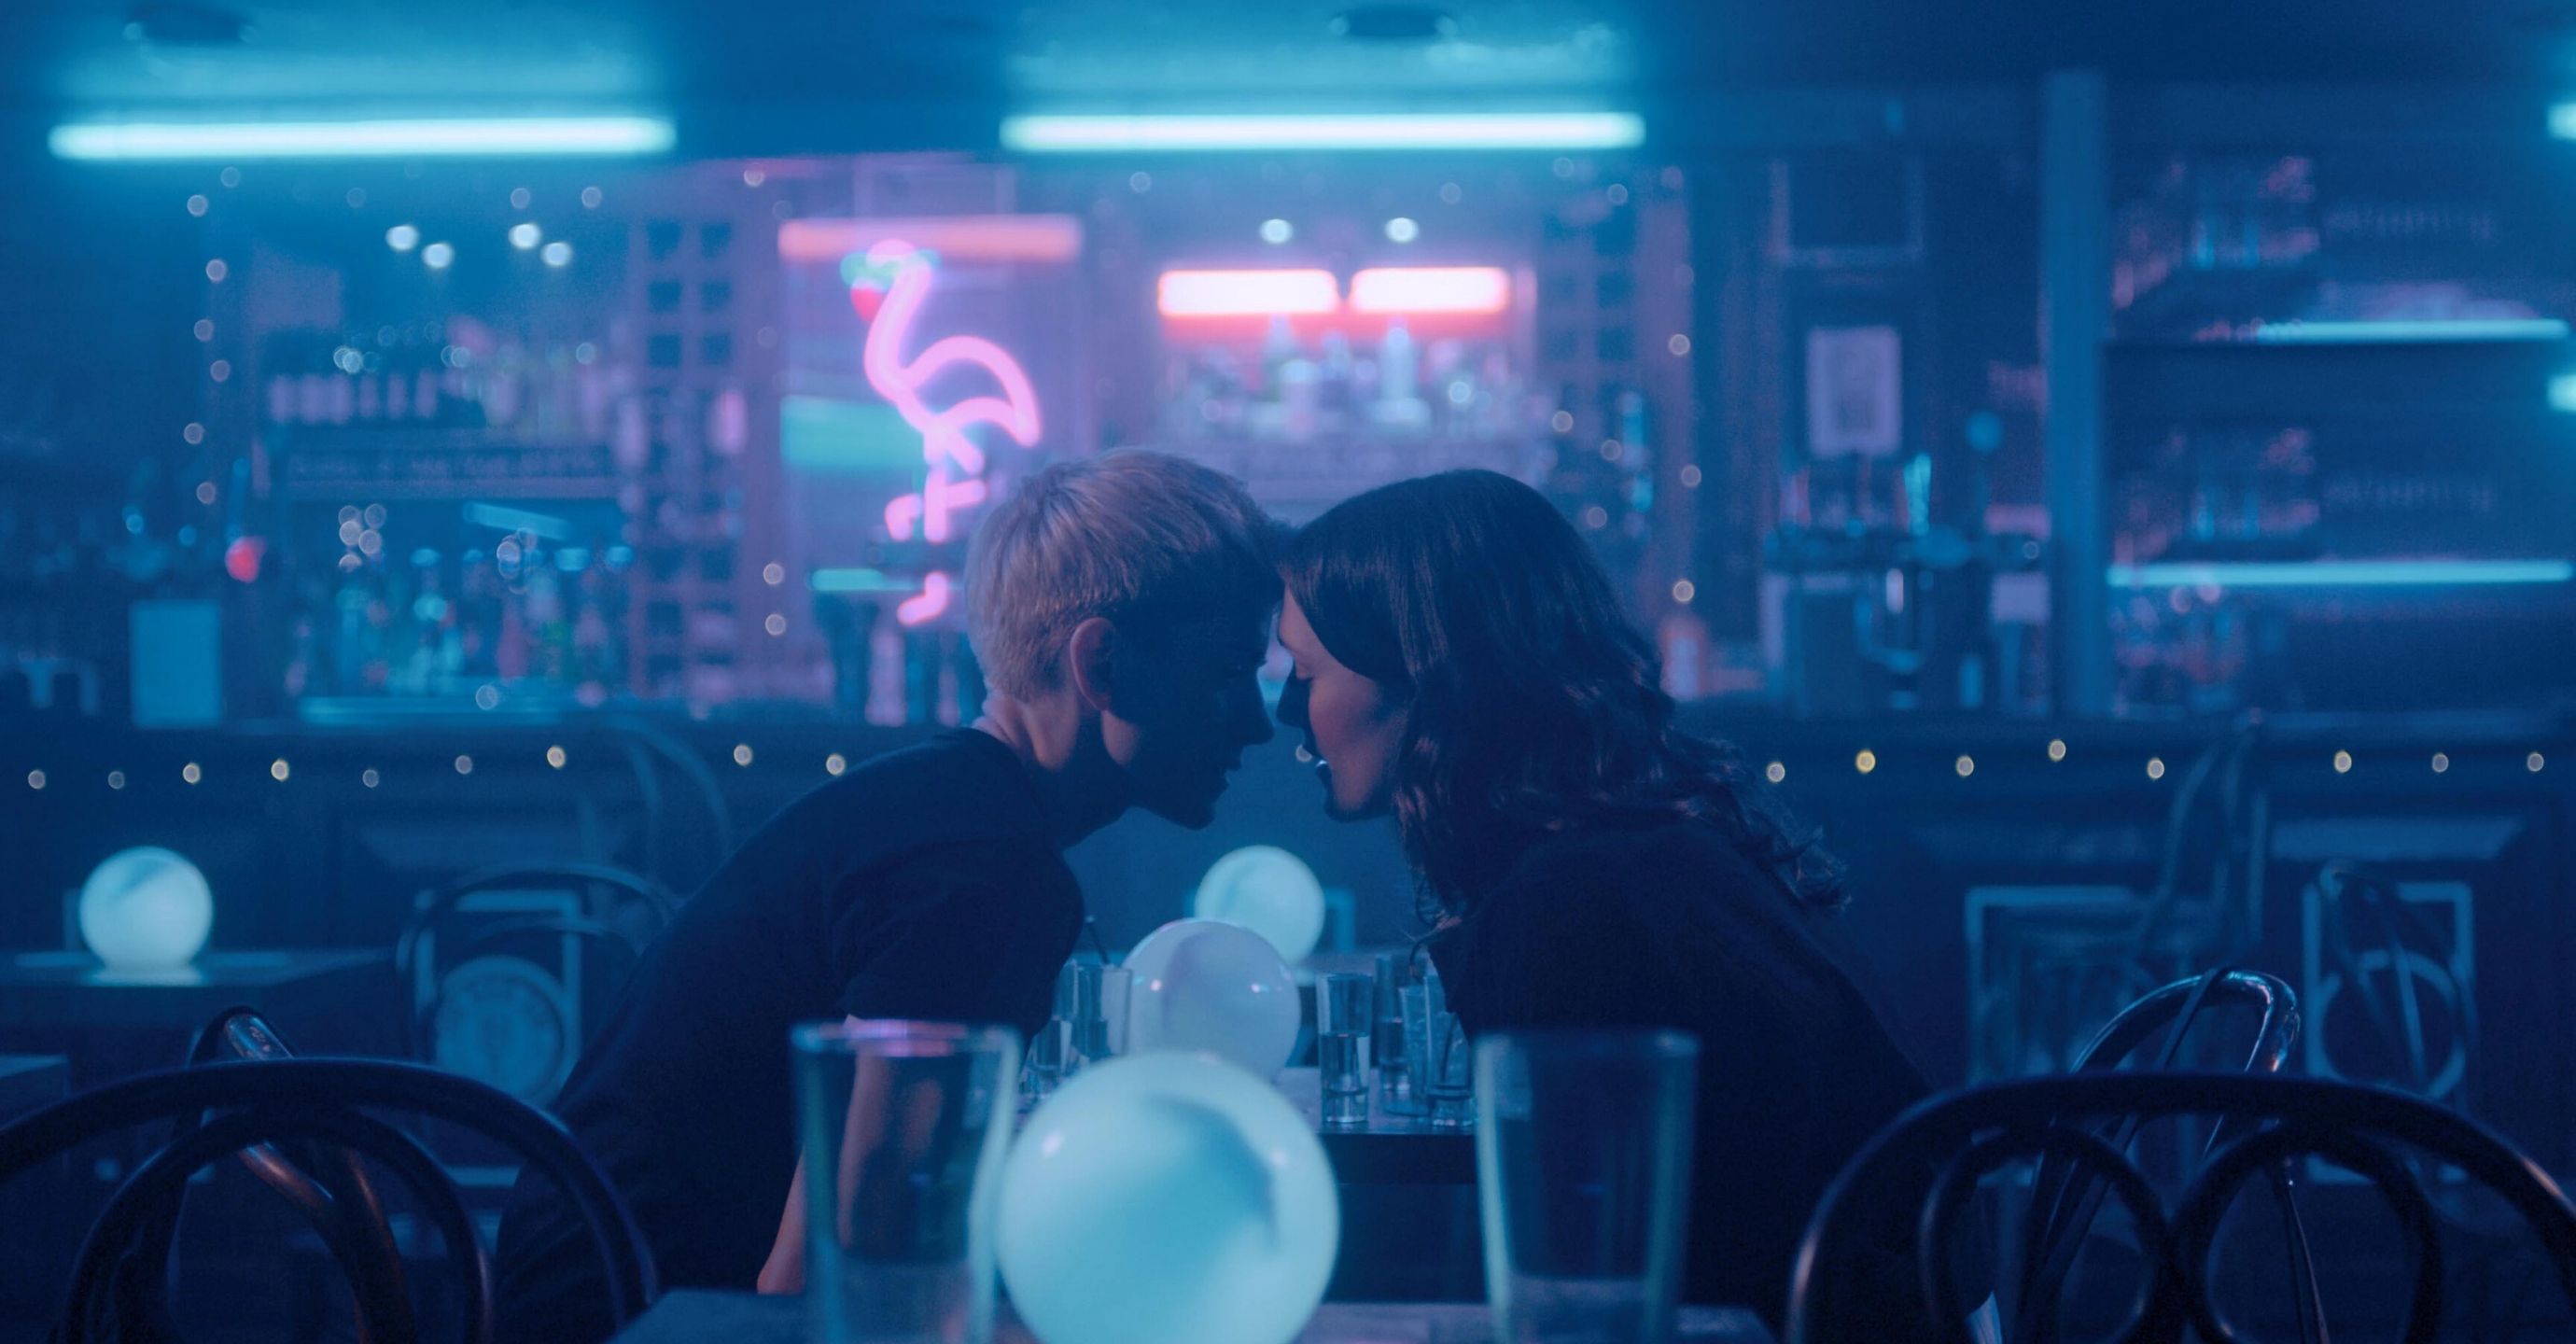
146	910
1167	1199
1201	984
1270	891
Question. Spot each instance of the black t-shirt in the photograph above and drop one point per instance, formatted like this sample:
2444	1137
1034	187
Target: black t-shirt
922	884
1669	926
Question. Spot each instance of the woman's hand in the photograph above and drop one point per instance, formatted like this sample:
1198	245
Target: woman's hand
785	1271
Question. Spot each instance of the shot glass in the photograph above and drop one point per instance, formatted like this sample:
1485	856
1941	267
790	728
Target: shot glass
1435	1047
1386	1046
1048	1063
1345	1014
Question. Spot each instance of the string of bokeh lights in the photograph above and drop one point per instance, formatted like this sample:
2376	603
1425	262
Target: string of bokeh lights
1865	761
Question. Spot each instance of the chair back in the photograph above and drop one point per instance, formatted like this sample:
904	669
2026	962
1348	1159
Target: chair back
2387	954
313	1106
121	1280
2179	1006
2064	1201
1931	1159
437	957
325	1183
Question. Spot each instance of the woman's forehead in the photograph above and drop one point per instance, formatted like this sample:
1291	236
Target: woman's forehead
1294	630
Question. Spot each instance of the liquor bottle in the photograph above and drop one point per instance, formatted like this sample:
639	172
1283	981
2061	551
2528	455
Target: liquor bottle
546	616
1278	348
349	642
1398	365
1333	390
340	390
510	649
313	383
589	625
397	380
279	386
478	617
503	386
1298	397
594	391
427	404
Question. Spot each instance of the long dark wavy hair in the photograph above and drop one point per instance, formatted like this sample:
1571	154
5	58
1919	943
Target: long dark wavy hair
1535	705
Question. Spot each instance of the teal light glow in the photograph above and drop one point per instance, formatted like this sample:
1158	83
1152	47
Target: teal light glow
508	519
1050	134
859	267
829	435
2562	393
857	580
2562	121
2345	574
423	138
2400	330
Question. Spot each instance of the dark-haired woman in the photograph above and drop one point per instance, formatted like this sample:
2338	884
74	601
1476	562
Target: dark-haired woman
1461	663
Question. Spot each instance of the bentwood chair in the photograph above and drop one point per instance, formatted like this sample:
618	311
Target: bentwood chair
315	1113
2163	1030
1927	1164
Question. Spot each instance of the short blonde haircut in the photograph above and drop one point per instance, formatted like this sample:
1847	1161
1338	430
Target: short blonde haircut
1146	539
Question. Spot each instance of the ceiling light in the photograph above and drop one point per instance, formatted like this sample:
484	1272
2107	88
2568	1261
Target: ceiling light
462	136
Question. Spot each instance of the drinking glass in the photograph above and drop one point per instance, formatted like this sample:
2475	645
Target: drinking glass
1092	1000
1583	1143
1049	1062
1345	1014
903	1127
1436	1054
1386	1048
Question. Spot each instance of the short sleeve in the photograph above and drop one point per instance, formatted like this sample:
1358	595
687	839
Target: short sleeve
966	932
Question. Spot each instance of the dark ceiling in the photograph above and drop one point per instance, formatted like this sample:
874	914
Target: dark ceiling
69	56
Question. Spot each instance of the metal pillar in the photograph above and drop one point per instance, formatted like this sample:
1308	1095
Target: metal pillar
2074	298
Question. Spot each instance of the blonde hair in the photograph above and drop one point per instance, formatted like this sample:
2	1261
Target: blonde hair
1146	539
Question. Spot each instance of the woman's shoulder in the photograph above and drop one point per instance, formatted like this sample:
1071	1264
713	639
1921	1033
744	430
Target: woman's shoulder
1658	882
1661	853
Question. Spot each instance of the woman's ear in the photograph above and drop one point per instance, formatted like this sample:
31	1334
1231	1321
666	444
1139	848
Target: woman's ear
1091	663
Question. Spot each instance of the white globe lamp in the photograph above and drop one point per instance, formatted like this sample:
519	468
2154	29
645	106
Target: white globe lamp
1201	984
1270	891
1167	1199
146	911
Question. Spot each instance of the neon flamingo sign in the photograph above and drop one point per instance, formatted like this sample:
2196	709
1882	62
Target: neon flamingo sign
887	294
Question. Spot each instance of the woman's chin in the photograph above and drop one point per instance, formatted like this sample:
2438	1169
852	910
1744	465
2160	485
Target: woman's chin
1342	808
1334	807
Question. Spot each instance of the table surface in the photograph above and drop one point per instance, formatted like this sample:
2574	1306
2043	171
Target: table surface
1391	1149
744	1318
73	989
